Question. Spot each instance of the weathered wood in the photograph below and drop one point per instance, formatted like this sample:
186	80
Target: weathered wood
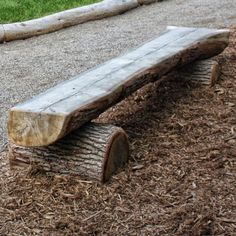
51	23
95	151
204	71
53	114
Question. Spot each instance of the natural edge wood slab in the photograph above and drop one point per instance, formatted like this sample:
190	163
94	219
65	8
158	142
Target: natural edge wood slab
95	151
67	106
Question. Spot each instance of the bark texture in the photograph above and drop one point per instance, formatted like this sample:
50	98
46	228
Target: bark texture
56	112
205	72
95	151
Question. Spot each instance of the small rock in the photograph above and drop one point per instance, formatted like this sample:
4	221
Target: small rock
220	91
232	142
230	104
138	167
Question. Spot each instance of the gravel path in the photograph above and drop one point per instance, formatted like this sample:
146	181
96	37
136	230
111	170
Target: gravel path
29	67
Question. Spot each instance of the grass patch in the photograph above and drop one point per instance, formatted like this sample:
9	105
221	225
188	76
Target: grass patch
20	10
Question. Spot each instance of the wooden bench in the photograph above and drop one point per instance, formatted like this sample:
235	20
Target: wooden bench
96	149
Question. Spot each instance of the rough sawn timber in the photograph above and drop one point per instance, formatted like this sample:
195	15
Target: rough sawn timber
95	151
67	106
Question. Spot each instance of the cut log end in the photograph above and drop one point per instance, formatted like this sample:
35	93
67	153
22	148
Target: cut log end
30	129
95	151
117	154
215	68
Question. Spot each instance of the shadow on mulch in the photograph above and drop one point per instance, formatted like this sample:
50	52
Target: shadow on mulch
180	179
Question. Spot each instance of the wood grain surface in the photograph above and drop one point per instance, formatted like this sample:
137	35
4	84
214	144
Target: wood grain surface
67	106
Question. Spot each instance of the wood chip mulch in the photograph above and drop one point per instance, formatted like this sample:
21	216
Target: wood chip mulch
181	179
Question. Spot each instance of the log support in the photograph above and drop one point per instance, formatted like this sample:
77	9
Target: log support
95	151
204	72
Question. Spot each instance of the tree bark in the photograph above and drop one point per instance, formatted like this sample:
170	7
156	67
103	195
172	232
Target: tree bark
54	22
56	112
95	151
205	72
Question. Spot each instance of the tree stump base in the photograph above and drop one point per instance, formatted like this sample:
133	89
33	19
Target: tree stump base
95	151
204	72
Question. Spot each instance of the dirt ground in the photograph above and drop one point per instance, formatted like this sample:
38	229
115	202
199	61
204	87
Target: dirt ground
180	179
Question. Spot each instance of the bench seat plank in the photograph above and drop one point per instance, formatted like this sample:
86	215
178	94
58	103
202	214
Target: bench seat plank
67	106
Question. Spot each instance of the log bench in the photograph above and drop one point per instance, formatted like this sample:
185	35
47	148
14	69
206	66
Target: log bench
52	129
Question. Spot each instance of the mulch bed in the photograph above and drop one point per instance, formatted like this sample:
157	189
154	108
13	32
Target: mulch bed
180	179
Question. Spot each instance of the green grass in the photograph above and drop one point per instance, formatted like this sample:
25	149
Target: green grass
20	10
